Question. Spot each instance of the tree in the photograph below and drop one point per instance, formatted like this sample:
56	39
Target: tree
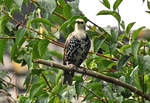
117	68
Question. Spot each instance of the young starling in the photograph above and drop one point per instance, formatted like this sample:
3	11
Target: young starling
77	46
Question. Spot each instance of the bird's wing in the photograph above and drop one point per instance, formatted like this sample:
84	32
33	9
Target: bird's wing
71	45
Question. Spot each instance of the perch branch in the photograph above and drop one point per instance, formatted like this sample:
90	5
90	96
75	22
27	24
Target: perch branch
94	74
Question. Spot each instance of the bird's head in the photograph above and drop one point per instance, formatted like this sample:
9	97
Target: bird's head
80	24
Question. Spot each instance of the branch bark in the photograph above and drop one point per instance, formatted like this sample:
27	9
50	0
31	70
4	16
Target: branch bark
94	74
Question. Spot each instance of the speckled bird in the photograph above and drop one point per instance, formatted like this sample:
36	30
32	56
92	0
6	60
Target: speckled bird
76	49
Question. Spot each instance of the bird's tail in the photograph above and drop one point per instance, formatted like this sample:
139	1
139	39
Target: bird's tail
68	77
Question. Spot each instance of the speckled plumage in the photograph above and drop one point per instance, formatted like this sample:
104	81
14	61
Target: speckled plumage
76	49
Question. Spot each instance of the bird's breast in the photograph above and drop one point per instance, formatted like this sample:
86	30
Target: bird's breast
80	35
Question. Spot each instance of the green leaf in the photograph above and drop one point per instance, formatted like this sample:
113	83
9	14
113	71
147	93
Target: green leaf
67	11
57	54
36	71
114	35
2	48
135	47
123	25
56	89
42	20
22	99
78	89
126	94
35	52
36	89
58	77
125	47
42	46
13	51
65	24
50	6
3	21
112	47
148	12
130	25
148	4
117	16
130	101
87	97
97	44
43	98
104	12
116	4
18	2
122	61
20	35
61	2
26	2
8	3
113	13
146	59
56	100
136	32
56	19
71	21
28	59
106	3
108	92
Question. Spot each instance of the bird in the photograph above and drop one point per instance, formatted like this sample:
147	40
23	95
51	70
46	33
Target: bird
76	49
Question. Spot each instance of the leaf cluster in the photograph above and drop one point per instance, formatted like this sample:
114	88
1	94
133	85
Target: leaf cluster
116	52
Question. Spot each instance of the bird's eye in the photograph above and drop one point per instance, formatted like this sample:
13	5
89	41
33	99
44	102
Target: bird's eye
79	22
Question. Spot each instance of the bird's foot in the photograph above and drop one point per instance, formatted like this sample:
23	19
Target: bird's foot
71	66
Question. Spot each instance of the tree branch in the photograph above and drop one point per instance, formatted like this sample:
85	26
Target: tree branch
14	37
94	74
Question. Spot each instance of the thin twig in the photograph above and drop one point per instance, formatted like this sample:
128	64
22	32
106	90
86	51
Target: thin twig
97	96
96	75
143	87
14	37
29	86
46	81
59	15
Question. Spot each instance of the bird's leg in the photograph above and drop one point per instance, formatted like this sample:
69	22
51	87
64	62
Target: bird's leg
84	76
83	70
72	66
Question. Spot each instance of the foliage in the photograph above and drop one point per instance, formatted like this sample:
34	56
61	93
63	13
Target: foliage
122	55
